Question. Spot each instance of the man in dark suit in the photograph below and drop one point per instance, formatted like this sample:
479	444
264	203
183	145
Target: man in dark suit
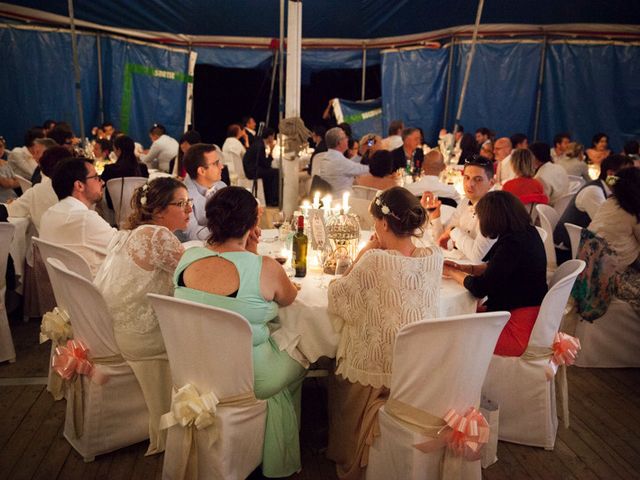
257	164
410	151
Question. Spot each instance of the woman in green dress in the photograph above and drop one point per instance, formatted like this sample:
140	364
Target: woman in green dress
228	273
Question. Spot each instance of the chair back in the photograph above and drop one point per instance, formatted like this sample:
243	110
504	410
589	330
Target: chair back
72	260
24	183
7	350
121	190
563	202
543	233
238	167
441	364
446	211
548	220
86	307
554	303
366	193
574	232
360	207
208	347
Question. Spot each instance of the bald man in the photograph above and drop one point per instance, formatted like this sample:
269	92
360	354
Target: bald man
502	151
432	167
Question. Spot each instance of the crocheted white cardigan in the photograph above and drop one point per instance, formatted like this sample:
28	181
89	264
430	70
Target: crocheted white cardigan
384	292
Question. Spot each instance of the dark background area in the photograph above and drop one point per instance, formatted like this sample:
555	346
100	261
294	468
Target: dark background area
222	96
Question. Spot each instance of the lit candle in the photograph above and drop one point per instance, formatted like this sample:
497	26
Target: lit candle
345	202
326	204
316	200
305	208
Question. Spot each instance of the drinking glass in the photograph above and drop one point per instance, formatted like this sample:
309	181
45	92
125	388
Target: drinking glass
278	220
342	265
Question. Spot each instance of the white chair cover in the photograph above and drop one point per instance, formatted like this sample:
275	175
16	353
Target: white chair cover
563	202
243	181
574	236
437	365
7	351
24	183
115	413
121	190
70	259
360	207
526	398
366	193
211	349
548	220
543	233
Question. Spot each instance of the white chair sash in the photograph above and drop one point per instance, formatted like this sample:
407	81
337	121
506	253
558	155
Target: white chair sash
195	412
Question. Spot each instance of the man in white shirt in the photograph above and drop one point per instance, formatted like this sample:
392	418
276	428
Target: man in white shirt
394	140
162	151
448	147
554	178
560	143
72	222
502	154
463	228
203	163
333	167
432	167
24	160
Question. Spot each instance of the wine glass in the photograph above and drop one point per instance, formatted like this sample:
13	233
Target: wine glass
277	220
342	265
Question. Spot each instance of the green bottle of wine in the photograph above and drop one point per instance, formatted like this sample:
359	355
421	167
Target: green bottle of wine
299	250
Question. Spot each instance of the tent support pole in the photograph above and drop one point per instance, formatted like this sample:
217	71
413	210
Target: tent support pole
467	73
273	85
100	84
76	68
447	96
281	65
536	123
364	72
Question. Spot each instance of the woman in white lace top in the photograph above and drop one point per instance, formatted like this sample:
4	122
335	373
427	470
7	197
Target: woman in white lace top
142	260
392	283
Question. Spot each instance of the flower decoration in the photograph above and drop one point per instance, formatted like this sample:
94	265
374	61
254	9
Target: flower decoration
143	198
384	208
611	180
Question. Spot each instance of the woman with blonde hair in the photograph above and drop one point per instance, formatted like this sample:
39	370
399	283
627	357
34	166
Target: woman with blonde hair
391	284
524	186
142	260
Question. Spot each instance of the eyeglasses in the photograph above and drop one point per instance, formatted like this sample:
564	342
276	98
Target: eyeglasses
214	164
183	203
93	176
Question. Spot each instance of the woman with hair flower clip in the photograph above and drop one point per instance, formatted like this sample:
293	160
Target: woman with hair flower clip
142	260
392	283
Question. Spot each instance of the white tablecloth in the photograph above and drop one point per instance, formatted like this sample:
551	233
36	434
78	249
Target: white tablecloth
305	323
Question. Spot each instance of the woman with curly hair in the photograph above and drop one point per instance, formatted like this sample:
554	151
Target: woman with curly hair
142	260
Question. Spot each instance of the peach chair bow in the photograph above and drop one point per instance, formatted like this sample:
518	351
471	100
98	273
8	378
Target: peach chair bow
73	359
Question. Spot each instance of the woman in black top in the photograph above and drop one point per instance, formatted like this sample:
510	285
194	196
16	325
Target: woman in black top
514	276
127	164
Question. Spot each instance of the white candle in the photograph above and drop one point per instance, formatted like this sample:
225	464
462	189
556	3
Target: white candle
345	202
326	203
316	200
305	208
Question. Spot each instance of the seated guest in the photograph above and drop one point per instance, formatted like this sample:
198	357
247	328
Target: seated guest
42	145
47	126
553	177
584	205
204	167
163	149
618	222
572	160
463	229
317	137
524	186
234	146
249	126
24	160
39	198
382	175
410	153
502	156
514	275
560	143
449	145
8	182
369	144
101	151
63	136
389	266
227	273
190	137
394	140
432	166
468	148
127	164
352	152
333	167
142	260
484	136
632	150
599	149
72	222
257	164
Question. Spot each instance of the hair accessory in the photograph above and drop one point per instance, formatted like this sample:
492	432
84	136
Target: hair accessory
143	198
383	208
611	180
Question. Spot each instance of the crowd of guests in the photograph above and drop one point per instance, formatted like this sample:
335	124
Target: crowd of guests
491	226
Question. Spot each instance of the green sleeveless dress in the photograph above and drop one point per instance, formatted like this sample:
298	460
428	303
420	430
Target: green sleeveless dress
277	377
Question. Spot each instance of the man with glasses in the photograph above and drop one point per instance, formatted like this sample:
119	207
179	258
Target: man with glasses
203	163
463	228
73	222
333	167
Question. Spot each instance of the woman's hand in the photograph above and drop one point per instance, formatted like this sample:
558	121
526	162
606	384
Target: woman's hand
253	240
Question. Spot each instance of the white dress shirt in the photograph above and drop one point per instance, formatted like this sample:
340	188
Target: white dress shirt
162	151
22	162
591	198
466	235
392	142
71	224
34	202
431	183
232	147
336	169
554	179
197	227
505	172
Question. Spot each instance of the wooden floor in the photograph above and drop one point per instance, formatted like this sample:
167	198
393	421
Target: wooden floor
602	442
